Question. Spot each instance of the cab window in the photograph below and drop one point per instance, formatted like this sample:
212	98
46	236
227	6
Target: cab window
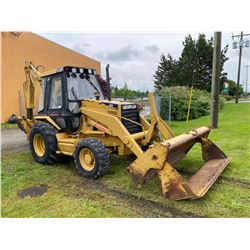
42	95
56	101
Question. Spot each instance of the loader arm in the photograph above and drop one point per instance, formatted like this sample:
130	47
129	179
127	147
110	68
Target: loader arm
112	125
156	122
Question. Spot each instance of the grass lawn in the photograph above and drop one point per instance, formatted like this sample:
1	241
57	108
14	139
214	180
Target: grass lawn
70	195
9	125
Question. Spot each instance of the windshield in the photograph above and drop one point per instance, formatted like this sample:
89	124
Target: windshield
80	88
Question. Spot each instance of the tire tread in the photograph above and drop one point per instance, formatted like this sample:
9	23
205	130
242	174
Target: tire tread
99	151
49	132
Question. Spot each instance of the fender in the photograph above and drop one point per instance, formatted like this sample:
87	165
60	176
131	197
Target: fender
48	119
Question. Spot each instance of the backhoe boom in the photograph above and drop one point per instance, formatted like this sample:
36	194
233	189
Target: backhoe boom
33	79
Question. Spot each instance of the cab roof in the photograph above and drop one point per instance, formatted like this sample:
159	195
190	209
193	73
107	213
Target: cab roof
74	69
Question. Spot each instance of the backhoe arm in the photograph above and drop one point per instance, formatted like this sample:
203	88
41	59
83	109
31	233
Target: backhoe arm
32	79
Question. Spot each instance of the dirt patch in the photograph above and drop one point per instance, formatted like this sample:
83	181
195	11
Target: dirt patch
96	190
241	183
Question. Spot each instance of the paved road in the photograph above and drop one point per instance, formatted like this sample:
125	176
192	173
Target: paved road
13	140
244	100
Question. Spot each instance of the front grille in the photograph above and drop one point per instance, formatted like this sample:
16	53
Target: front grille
132	114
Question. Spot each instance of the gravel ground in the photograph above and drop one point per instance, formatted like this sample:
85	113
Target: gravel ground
13	140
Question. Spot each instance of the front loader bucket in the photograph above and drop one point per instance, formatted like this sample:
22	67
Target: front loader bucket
163	156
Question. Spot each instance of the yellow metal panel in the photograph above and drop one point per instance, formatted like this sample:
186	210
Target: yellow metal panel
114	125
66	148
49	119
49	72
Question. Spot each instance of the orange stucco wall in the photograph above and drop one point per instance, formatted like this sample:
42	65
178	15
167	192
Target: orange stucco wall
30	47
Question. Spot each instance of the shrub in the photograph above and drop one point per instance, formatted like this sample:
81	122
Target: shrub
222	101
228	97
232	86
200	104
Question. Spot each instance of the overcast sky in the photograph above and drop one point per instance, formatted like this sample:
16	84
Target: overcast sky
133	57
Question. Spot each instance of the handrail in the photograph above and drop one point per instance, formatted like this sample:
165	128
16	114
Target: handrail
125	118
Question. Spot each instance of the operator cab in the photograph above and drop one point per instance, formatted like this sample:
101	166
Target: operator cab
62	91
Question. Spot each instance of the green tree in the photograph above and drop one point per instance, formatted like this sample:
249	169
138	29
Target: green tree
125	86
166	72
232	88
194	67
127	93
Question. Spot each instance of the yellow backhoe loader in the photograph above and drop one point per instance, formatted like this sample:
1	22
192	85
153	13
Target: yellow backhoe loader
75	118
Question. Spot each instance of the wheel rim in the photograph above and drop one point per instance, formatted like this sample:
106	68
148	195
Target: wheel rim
87	159
39	145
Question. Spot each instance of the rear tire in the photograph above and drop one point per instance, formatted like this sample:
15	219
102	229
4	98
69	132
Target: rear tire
91	158
43	143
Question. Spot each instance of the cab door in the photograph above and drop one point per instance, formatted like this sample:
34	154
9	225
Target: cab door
55	105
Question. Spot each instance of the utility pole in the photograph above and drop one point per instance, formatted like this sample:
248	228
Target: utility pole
239	66
215	81
241	44
247	66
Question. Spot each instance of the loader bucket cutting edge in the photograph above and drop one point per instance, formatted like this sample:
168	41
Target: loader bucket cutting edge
163	156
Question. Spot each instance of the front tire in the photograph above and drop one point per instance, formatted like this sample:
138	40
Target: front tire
91	158
43	143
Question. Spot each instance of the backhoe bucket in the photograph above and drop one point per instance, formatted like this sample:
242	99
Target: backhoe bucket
163	156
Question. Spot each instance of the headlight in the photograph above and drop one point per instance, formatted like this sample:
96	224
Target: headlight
129	106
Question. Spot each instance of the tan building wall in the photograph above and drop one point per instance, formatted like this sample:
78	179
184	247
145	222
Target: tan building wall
18	48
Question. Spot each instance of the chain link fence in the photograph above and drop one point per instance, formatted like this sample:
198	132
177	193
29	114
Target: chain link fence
163	107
